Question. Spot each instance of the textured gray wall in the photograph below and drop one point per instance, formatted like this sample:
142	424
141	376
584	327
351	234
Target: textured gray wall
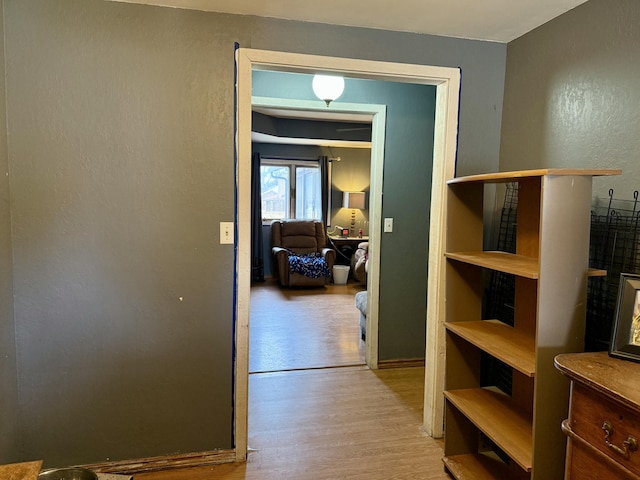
120	127
9	434
121	156
572	94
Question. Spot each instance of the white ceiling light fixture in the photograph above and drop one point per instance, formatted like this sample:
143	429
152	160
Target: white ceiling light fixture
327	87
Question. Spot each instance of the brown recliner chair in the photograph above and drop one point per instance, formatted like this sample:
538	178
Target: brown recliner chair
291	237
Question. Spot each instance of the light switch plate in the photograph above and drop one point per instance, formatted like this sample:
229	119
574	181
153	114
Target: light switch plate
388	225
226	233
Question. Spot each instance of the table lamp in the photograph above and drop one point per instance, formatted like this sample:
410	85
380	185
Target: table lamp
354	201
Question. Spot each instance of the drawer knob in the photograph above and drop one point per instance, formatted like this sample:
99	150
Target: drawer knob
630	444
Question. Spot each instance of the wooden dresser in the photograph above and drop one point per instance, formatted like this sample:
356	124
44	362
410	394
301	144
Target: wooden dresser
603	427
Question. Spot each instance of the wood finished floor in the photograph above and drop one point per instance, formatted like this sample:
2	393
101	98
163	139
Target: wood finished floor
317	413
339	423
304	328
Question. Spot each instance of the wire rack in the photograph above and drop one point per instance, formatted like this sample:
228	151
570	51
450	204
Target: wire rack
500	293
499	301
614	247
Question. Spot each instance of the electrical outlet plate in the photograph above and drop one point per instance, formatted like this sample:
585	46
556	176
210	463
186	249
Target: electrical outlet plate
226	233
388	225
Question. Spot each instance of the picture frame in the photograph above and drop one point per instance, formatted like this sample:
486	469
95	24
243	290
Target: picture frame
625	336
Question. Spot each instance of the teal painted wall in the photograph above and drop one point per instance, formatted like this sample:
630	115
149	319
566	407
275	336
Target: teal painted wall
120	125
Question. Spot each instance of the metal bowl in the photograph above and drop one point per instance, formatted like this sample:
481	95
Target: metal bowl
71	473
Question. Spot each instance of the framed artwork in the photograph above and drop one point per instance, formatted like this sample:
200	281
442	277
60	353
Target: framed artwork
625	337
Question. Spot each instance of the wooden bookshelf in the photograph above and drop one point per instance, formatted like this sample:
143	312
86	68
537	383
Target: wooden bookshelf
552	251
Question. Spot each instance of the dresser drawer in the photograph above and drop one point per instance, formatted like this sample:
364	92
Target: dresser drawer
588	414
586	463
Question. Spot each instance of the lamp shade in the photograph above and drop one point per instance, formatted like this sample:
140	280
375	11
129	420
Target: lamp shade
327	87
353	200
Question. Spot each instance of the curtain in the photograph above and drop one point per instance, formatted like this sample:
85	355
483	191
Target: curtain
325	187
257	250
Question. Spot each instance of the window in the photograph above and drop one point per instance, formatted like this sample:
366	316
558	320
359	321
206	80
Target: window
290	189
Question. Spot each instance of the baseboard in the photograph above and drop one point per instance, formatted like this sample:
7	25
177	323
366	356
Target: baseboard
414	362
166	462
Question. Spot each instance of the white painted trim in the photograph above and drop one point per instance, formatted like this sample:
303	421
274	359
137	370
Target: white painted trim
243	257
447	81
378	129
444	155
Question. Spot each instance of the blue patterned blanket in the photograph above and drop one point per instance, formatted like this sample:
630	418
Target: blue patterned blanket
310	265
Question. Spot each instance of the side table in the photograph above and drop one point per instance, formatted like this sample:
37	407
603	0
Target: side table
346	247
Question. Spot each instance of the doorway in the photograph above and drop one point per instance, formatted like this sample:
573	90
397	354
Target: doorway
376	115
447	81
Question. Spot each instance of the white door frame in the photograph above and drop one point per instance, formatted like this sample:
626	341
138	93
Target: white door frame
447	82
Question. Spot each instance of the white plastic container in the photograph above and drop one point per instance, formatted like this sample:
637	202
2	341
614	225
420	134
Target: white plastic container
340	274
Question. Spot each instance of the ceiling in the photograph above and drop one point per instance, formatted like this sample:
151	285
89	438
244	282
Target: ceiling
492	20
